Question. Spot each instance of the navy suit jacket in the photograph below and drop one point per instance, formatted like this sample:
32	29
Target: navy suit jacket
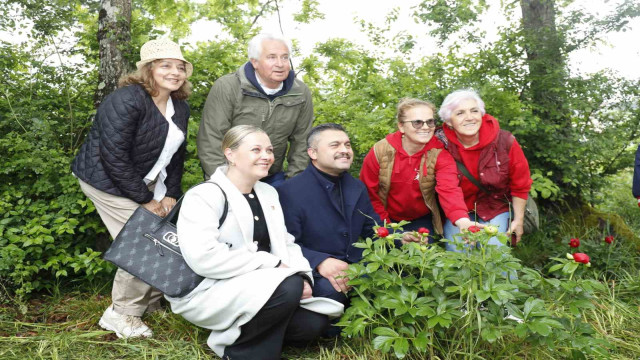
316	222
636	174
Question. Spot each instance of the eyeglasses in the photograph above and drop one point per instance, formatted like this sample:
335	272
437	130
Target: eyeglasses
418	124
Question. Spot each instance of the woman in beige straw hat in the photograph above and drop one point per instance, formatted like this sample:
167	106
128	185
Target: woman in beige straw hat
133	156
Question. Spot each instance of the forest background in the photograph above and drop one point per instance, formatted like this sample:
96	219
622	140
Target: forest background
579	131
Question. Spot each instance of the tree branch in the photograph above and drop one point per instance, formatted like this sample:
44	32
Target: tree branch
260	13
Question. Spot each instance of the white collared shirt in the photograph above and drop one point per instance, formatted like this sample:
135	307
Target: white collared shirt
175	138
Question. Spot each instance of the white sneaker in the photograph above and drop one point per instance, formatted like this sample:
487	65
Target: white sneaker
125	326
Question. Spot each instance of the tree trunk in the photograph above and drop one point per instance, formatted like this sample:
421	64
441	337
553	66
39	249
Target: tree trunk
114	35
546	61
546	92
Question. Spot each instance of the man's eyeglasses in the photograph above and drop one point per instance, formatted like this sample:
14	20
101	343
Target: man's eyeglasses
418	124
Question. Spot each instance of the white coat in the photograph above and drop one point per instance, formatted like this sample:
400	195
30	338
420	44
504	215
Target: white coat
238	279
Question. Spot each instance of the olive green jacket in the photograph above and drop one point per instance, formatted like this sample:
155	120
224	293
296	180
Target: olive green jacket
233	100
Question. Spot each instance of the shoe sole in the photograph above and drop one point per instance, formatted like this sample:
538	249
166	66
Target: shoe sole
103	324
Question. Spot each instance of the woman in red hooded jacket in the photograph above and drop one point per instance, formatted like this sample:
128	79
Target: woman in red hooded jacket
493	157
403	171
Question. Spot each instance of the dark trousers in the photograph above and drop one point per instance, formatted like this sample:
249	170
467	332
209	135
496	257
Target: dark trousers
280	320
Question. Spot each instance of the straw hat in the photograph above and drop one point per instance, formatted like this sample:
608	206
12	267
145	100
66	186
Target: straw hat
162	49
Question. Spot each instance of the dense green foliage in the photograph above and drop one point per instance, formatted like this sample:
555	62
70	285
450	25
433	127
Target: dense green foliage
48	229
416	299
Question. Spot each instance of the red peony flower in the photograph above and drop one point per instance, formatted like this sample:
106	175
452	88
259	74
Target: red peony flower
574	243
581	258
382	232
609	239
423	230
473	229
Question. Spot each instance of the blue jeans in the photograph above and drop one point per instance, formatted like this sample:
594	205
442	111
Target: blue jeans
500	220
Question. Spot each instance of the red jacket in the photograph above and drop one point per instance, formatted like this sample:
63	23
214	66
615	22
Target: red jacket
404	201
504	173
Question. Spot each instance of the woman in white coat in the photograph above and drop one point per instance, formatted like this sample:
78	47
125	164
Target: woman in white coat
257	288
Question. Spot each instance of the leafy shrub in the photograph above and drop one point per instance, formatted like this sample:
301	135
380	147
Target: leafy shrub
616	198
420	299
48	227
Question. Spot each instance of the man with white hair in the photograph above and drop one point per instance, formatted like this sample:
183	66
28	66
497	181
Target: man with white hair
262	92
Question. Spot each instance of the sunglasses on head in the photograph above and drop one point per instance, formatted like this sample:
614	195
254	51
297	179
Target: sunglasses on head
418	124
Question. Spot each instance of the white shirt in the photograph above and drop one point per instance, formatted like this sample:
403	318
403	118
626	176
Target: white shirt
175	138
267	90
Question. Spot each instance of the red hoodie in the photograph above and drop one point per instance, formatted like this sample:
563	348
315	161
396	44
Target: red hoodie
519	176
404	201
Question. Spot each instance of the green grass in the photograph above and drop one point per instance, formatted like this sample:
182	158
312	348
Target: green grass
63	324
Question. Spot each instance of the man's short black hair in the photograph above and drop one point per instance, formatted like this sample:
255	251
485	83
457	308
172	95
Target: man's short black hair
313	134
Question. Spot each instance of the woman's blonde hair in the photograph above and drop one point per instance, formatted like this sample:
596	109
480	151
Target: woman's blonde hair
144	77
233	138
407	104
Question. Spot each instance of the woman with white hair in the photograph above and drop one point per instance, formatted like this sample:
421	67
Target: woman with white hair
494	171
256	294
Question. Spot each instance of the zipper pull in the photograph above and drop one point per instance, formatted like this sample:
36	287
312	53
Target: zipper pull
158	247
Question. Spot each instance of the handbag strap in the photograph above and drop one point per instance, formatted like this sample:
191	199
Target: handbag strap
463	169
226	206
176	208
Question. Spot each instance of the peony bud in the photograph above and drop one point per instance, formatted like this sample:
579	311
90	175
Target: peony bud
609	239
491	230
581	258
423	231
382	232
574	243
569	256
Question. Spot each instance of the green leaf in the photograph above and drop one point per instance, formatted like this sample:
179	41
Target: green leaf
482	295
383	343
521	330
372	267
555	267
421	341
491	334
401	347
551	322
385	331
553	282
539	327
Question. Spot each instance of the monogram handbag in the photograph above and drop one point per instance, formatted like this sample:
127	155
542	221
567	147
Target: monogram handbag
147	247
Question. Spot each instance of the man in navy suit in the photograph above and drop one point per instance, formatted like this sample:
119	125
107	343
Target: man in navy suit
327	210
